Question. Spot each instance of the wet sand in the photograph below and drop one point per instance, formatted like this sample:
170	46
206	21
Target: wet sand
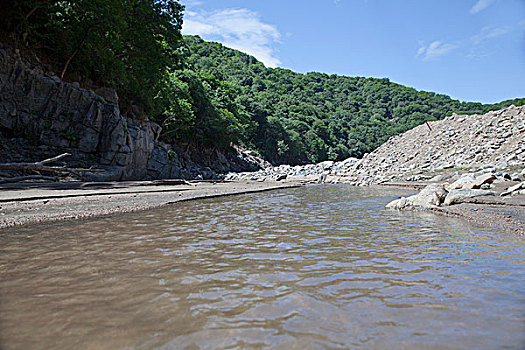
501	217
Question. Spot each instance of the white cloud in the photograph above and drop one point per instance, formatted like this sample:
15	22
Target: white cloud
421	50
239	29
435	50
480	5
487	33
192	3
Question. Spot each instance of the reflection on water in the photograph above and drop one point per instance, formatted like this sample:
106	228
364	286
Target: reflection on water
317	267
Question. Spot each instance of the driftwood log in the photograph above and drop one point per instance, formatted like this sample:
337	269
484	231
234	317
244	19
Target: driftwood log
28	177
42	166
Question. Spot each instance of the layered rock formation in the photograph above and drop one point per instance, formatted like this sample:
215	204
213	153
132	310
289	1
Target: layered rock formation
47	116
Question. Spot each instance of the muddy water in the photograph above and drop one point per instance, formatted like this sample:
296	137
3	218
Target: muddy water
319	267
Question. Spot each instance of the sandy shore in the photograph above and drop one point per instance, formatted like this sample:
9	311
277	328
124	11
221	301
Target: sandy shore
22	204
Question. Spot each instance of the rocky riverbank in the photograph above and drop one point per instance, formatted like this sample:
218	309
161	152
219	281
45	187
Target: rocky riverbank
467	166
435	151
467	160
42	116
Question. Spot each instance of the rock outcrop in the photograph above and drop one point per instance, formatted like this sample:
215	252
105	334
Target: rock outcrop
59	116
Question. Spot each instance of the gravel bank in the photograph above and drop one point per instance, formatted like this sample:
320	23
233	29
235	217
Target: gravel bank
25	204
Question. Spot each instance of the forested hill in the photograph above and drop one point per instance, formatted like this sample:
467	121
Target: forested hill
208	96
296	118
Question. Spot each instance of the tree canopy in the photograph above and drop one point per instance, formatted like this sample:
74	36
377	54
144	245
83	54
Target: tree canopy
204	93
312	117
126	44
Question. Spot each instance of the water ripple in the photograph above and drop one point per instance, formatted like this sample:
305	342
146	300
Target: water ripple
319	267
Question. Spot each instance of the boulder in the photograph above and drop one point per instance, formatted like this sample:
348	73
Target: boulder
460	196
464	180
480	181
429	197
280	177
511	190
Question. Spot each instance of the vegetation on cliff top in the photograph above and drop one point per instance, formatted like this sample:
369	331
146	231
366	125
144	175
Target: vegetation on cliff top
207	94
126	44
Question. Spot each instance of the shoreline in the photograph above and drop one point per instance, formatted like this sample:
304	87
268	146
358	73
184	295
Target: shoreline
509	218
29	204
35	203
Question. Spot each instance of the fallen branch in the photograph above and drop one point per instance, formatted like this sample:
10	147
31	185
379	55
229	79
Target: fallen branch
41	166
28	177
54	159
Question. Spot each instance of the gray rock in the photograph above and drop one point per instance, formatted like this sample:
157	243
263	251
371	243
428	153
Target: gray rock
429	197
460	195
480	181
513	189
111	173
109	94
465	179
280	177
436	178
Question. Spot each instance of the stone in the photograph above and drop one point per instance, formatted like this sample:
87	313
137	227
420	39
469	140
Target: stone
88	142
480	181
464	179
111	173
280	177
400	204
429	197
461	195
513	189
108	94
436	178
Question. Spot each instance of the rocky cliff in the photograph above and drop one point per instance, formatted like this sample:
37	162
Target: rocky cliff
42	116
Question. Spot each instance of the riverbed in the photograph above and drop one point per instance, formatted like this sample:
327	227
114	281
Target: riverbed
301	268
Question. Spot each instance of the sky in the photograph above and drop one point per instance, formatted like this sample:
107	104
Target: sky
471	50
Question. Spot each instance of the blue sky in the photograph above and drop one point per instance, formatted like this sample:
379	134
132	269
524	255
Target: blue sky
471	50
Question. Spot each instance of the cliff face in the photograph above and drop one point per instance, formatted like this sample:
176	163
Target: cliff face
64	117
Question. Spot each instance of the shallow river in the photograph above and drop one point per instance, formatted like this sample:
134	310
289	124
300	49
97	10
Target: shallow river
317	267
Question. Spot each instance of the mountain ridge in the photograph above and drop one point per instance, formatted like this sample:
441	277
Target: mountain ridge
306	118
